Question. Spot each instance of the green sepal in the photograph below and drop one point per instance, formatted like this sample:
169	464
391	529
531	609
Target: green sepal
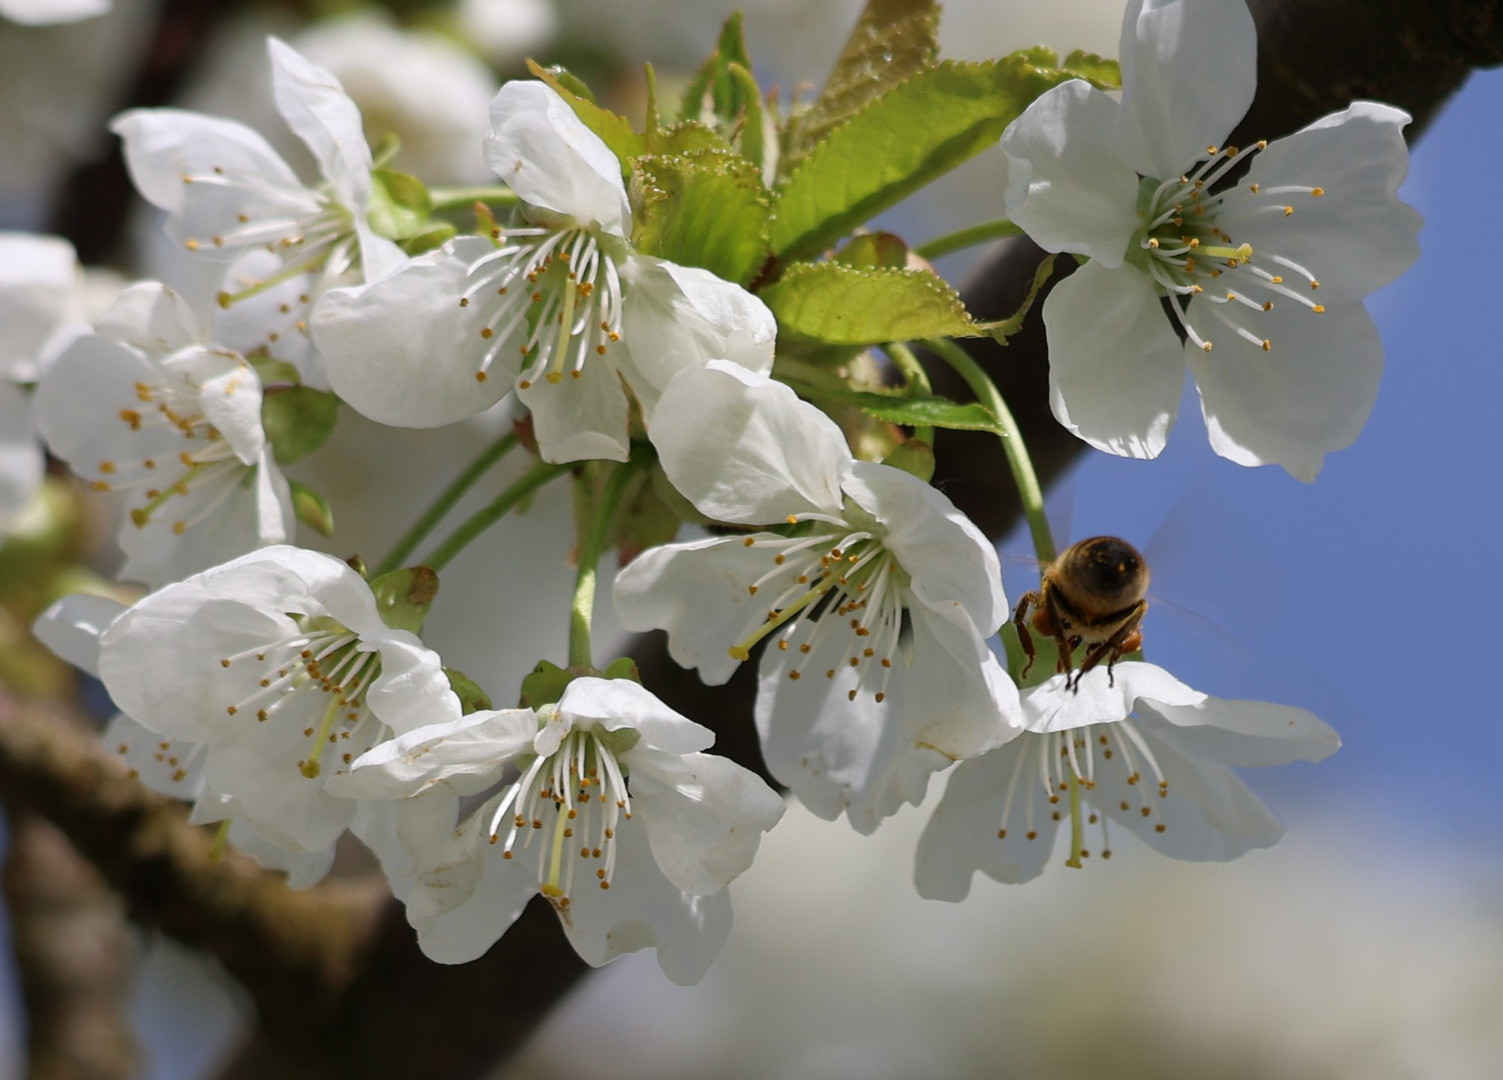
874	249
400	206
686	137
471	697
311	508
900	142
915	457
615	131
706	208
274	372
545	685
386	150
404	596
892	41
435	237
713	78
297	420
1100	72
622	668
843	305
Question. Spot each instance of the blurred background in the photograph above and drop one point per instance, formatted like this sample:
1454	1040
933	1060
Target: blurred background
1369	943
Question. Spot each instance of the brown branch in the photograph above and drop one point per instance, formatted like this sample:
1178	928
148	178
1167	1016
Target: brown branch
74	954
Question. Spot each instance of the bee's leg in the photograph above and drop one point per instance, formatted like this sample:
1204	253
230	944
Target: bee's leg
1025	639
1128	638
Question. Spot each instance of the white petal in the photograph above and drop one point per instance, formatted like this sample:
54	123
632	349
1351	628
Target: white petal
304	869
71	628
492	890
704	815
1358	236
956	698
1189	70
961	836
39	294
743	448
275	320
318	110
674	317
151	317
1308	395
238	176
1115	367
412	690
580	418
1067	189
21	460
953	566
468	754
405	834
1103	697
403	352
543	152
166	766
229	396
1207	815
620	703
50	12
643	910
697	591
1245	733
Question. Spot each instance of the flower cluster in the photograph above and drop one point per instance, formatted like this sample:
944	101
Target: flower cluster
706	372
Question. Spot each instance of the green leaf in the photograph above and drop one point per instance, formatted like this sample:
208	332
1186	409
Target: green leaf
874	249
403	597
713	80
707	208
312	509
471	697
1100	72
400	205
913	411
615	131
842	305
892	41
297	420
920	130
686	137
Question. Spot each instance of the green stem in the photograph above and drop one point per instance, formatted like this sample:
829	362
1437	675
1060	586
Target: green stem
591	546
499	507
967	237
917	379
444	503
1029	491
462	198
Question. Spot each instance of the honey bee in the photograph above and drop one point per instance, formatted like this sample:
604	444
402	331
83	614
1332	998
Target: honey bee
1091	595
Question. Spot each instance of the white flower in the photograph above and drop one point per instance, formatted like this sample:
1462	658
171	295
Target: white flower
1148	753
48	12
143	405
277	669
561	307
1138	186
41	303
879	599
607	807
228	193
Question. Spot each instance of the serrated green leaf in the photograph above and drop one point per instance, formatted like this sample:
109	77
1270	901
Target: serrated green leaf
297	420
893	40
920	130
706	209
615	131
1101	72
400	205
843	305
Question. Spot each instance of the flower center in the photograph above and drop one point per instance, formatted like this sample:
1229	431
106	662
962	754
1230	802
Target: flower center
1187	245
324	658
302	227
568	805
552	294
207	465
837	601
1082	765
